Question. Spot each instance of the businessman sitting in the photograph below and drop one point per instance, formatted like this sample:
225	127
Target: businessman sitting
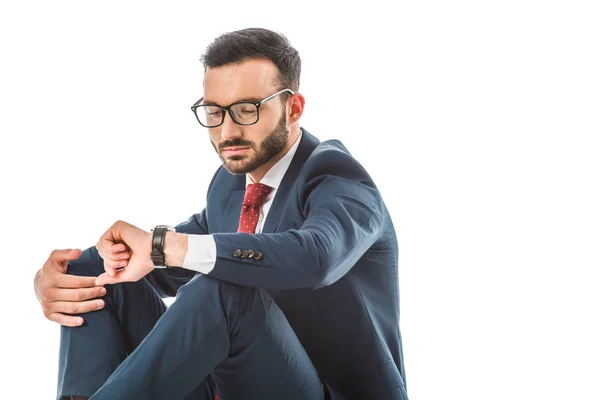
286	284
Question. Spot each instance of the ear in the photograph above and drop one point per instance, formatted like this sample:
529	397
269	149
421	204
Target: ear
295	108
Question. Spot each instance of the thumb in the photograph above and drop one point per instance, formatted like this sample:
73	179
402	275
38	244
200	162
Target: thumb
106	279
64	255
60	257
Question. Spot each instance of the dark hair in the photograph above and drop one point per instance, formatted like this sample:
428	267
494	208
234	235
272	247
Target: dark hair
256	43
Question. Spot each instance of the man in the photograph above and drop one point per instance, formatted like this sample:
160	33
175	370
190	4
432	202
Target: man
286	283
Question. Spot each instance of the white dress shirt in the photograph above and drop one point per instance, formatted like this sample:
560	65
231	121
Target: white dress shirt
202	249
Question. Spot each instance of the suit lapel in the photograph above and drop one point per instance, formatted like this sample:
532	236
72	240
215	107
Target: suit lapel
307	144
231	216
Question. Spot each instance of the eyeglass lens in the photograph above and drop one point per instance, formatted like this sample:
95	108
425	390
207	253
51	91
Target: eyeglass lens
242	113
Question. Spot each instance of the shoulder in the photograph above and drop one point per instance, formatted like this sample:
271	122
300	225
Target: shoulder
331	157
332	176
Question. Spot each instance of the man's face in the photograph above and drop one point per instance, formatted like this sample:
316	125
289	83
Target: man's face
245	148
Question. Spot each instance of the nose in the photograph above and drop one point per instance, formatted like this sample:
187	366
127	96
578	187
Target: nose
229	129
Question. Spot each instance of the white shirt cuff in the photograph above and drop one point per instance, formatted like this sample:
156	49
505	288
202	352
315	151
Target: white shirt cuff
201	254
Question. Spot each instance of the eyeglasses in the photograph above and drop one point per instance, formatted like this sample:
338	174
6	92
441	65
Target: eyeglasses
242	112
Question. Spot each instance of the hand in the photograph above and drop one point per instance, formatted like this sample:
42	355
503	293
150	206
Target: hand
61	294
125	245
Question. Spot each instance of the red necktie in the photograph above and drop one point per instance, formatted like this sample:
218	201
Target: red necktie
256	194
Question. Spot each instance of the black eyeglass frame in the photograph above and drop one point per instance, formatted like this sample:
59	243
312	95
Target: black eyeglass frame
228	108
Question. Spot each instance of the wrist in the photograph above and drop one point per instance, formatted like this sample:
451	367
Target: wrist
176	245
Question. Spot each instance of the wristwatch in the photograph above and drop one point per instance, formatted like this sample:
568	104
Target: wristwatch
158	245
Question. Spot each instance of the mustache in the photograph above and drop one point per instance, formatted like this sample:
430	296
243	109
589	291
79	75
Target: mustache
234	143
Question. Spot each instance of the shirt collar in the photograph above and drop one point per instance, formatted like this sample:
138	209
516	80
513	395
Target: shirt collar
275	174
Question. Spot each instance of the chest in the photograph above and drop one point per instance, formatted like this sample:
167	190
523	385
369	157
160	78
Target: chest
276	214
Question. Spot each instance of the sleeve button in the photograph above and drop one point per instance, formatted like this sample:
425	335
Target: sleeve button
258	255
237	253
244	254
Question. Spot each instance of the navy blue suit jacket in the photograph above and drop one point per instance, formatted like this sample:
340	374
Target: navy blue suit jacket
330	261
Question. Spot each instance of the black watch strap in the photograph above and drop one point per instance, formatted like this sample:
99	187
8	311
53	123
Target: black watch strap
158	245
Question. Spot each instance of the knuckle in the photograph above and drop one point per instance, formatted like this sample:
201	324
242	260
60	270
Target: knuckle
45	294
48	282
71	309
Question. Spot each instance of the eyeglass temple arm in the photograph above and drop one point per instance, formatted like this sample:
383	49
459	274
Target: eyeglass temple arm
276	94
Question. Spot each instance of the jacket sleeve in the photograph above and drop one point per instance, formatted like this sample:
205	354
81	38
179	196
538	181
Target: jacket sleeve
195	225
342	215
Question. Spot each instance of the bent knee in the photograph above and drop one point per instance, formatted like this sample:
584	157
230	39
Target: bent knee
88	264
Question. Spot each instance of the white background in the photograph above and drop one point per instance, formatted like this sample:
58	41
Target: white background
479	121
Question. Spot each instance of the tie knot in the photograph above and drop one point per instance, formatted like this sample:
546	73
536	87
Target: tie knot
256	193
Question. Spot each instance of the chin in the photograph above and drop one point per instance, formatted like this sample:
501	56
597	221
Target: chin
236	167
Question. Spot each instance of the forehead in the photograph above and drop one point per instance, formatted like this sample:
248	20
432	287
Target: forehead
230	83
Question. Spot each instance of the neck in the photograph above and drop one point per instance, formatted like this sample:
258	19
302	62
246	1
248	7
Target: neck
261	171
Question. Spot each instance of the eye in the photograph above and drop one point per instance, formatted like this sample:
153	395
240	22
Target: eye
213	111
246	109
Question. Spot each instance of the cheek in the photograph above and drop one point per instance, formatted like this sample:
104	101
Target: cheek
263	128
256	136
215	136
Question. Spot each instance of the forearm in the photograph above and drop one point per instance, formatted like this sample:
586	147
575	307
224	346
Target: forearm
176	243
176	247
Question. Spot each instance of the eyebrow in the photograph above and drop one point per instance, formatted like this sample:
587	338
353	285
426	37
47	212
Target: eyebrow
250	99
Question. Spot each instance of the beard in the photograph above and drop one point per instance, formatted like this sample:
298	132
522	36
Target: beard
272	145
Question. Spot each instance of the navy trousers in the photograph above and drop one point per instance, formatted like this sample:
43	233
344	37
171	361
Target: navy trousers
216	336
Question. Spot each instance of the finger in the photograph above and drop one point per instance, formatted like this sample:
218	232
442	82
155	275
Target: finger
105	245
64	255
75	294
65	320
112	271
74	281
111	238
116	257
59	259
75	307
115	264
109	271
117	248
106	279
122	255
